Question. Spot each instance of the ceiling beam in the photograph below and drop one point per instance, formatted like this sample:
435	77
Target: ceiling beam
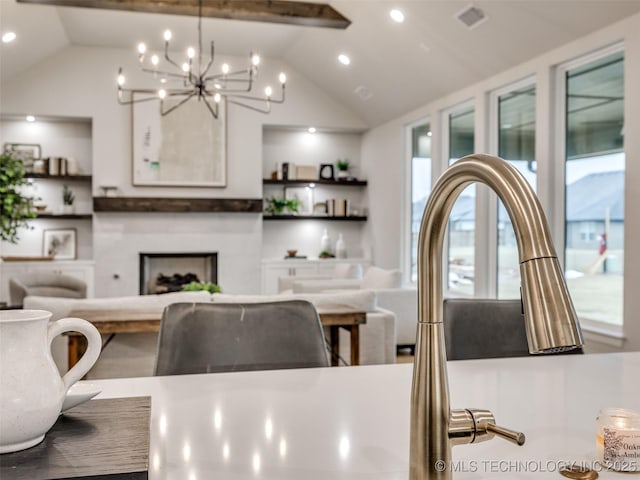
272	11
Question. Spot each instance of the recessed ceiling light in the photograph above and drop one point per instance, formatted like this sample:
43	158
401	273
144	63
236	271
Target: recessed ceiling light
312	130
344	59
8	37
396	15
31	118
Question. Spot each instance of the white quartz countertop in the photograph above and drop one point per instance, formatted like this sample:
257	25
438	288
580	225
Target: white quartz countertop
353	422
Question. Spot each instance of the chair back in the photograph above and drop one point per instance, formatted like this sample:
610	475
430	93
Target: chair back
485	328
233	337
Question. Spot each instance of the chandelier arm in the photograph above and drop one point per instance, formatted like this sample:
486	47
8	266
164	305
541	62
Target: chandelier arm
167	58
210	62
213	112
260	99
162	72
181	102
229	76
251	107
131	101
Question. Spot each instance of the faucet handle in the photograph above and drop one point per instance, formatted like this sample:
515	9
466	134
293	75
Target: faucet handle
516	437
486	428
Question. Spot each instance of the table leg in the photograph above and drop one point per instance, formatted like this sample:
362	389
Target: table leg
334	333
75	349
355	344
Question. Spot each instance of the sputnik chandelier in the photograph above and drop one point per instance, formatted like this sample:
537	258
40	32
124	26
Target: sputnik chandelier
193	80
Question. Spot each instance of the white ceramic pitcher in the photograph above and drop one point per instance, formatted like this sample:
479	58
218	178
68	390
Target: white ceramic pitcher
31	390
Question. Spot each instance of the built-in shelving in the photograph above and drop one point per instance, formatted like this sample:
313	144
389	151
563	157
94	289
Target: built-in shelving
66	216
83	178
337	183
351	218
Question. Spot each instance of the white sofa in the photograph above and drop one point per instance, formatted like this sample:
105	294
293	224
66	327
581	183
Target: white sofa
131	355
403	302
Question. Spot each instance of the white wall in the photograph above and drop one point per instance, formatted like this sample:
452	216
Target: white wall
384	153
80	82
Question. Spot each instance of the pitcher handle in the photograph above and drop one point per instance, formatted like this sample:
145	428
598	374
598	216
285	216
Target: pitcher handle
94	345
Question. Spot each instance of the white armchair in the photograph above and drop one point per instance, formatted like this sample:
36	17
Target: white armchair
386	284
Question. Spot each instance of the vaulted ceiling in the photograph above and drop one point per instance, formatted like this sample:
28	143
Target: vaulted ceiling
395	67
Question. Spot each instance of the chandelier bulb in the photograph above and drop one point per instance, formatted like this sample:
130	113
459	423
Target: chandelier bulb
167	35
185	67
255	59
162	93
268	91
155	60
225	68
121	78
283	78
216	98
142	48
191	52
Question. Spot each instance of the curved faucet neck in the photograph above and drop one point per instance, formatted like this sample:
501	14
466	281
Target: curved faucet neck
520	201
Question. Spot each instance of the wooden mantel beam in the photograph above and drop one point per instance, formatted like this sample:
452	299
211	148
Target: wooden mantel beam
272	11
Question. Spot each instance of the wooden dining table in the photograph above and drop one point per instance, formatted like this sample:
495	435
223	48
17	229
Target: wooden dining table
133	320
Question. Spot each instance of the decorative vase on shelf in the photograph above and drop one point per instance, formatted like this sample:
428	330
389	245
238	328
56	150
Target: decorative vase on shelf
341	249
68	209
325	242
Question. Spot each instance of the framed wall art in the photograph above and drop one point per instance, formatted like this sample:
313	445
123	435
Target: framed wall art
60	243
185	148
27	152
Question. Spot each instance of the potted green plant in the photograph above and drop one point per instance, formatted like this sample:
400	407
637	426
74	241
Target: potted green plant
343	166
207	286
16	208
280	206
67	200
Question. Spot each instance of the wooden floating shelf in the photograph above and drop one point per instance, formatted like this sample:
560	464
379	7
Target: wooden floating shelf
177	205
352	218
84	178
66	216
335	183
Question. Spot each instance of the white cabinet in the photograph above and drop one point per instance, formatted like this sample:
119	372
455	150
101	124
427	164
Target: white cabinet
274	269
81	269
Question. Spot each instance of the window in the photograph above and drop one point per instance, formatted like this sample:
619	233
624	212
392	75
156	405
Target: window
420	185
461	237
516	143
594	186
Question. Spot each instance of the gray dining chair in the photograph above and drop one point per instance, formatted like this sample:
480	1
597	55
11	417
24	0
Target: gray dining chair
485	328
45	284
234	337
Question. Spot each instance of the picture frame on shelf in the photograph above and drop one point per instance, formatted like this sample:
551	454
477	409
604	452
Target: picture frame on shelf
186	148
26	152
304	195
326	172
60	243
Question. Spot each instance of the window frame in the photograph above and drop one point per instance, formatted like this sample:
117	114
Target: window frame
408	159
559	168
443	164
491	199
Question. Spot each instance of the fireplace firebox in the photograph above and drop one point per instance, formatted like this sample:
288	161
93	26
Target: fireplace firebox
169	272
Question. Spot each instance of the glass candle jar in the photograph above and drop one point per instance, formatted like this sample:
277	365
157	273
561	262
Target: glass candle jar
618	439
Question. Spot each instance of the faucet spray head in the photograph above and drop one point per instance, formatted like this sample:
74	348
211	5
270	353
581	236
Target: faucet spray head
551	321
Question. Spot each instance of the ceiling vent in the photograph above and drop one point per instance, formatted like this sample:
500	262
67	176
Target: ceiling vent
363	92
472	17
